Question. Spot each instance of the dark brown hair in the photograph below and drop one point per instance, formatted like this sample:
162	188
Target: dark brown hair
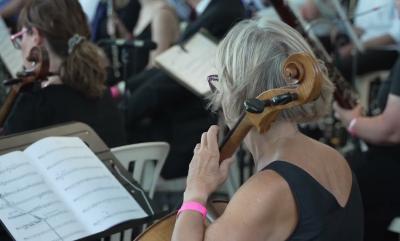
58	21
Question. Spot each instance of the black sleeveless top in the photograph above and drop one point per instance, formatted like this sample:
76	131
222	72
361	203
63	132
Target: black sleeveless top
142	55
321	218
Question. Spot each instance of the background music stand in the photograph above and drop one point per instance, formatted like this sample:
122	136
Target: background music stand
95	143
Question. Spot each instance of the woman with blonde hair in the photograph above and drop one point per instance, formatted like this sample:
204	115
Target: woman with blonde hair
303	189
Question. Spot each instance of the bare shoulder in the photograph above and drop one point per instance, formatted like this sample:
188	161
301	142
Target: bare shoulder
331	170
262	209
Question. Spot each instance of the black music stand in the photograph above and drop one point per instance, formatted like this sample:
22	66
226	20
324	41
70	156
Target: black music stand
96	144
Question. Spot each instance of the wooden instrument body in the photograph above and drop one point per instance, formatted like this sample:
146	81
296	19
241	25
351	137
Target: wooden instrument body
163	228
39	56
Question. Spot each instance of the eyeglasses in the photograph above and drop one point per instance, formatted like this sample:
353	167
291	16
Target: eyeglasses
17	38
212	80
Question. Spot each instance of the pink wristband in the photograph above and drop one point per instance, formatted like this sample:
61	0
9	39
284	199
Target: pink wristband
193	206
351	126
115	93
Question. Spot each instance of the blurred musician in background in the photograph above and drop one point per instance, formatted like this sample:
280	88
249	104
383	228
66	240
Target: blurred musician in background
124	15
378	26
378	167
167	107
294	195
159	23
76	91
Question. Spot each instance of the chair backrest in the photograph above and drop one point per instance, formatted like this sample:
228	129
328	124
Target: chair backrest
147	160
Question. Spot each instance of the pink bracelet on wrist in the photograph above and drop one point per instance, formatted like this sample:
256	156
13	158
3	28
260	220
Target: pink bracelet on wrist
193	206
351	126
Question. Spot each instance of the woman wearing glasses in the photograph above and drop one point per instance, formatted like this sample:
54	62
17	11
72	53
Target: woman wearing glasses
303	189
76	91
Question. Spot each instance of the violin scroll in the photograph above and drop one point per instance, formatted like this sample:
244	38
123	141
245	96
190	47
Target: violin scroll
39	71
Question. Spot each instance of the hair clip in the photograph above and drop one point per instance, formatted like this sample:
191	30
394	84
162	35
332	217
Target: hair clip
74	41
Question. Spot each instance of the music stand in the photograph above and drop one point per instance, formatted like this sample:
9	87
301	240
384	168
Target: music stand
95	143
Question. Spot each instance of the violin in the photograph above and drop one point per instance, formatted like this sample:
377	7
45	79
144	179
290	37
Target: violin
305	77
39	71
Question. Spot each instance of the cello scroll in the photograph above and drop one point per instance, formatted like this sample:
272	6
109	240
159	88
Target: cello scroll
304	78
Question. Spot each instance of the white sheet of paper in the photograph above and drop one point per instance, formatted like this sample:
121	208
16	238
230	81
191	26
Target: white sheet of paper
32	211
58	189
84	182
191	68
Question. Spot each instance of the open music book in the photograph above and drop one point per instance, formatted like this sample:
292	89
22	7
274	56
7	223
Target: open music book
58	189
191	63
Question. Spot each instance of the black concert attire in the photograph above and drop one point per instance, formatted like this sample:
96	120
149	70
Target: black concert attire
142	55
369	61
378	172
129	16
41	107
177	115
320	215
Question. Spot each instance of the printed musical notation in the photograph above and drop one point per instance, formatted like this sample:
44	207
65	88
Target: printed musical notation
30	207
49	192
191	66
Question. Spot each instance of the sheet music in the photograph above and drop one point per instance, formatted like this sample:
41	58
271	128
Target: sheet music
11	57
32	211
191	65
84	182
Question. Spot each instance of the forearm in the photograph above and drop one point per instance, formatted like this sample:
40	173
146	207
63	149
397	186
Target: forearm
379	41
189	226
374	130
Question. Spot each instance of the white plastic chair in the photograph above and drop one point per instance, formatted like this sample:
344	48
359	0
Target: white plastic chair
147	160
395	226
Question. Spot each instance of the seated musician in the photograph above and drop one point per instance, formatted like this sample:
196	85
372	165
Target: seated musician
378	167
169	106
303	189
76	91
375	24
157	22
379	32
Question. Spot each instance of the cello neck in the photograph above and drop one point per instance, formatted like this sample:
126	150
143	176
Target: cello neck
7	105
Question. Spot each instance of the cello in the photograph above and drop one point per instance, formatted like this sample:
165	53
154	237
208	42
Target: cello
305	84
39	71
